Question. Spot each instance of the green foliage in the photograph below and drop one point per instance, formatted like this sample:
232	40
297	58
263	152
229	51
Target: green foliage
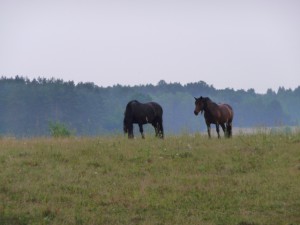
26	106
58	129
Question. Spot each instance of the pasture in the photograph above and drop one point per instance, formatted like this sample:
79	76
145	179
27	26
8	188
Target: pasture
186	179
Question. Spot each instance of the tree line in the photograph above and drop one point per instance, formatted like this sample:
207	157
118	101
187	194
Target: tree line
28	107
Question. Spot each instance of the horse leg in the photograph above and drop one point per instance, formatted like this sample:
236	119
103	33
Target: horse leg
156	130
229	130
155	125
224	129
160	128
130	131
141	130
218	129
208	129
130	135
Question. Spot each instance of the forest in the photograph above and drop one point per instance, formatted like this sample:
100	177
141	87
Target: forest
28	107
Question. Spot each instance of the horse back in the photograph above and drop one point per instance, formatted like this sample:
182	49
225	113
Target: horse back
143	112
226	112
156	108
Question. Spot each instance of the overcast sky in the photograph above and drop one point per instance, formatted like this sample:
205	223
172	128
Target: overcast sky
238	44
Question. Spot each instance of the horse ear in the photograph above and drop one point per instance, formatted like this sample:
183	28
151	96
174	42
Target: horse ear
195	98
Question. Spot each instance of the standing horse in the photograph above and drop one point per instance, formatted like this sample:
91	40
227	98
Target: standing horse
219	114
140	113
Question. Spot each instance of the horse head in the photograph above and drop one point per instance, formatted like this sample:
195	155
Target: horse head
199	105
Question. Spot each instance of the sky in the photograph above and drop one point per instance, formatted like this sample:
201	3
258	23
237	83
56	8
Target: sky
239	44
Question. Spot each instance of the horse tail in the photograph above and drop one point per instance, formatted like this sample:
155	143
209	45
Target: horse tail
161	127
229	122
158	114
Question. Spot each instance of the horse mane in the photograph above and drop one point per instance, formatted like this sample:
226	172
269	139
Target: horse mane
207	99
209	104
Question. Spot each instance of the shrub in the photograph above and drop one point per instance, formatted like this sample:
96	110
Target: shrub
58	129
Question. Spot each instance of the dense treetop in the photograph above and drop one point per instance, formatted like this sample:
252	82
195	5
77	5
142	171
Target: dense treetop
27	107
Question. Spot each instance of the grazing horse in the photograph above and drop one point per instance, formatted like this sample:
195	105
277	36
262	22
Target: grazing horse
143	113
219	114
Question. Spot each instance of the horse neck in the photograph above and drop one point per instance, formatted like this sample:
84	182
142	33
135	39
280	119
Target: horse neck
209	107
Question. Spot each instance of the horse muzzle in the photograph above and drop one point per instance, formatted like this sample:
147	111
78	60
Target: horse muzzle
196	112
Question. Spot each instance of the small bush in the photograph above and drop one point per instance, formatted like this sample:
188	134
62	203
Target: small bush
58	129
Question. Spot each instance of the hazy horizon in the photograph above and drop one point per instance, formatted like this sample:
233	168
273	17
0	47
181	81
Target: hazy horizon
144	84
233	44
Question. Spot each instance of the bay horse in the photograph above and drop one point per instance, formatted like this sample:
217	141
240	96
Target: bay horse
218	114
143	113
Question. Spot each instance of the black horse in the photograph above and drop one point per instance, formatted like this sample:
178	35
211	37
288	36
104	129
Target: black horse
219	114
140	113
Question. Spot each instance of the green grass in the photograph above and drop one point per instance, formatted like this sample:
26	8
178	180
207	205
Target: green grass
246	180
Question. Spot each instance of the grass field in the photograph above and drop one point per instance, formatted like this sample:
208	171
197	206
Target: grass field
247	180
